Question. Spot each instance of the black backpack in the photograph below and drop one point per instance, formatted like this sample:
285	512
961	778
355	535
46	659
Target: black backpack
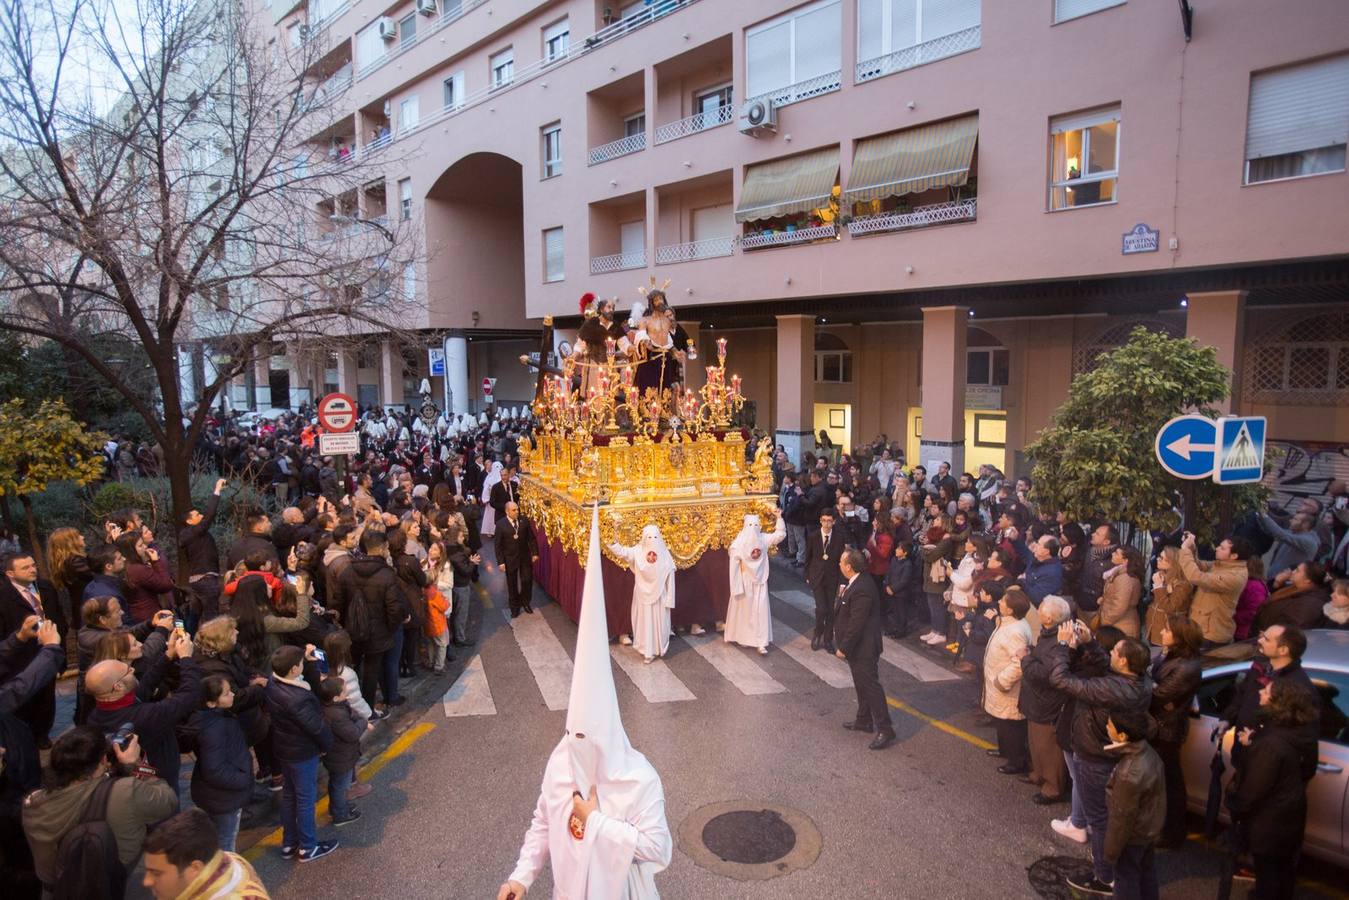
87	864
358	617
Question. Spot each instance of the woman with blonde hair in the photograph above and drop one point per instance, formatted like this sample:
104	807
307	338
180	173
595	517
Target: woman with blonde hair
69	567
1171	594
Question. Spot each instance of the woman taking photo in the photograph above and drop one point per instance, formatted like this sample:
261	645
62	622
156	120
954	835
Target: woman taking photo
1171	594
1175	675
1123	590
146	578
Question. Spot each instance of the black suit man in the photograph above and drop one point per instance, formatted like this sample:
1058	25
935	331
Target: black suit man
857	632
503	492
824	547
516	552
23	595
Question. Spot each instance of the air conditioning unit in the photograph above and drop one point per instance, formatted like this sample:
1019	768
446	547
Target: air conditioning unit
427	7
388	108
758	116
388	28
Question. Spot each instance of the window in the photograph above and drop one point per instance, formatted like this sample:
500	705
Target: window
1297	122
986	360
409	281
888	26
409	114
1071	9
407	30
799	47
1334	690
449	9
405	199
833	359
295	34
552	254
556	40
1302	363
1085	165
552	149
452	90
503	67
713	99
634	125
632	239
370	47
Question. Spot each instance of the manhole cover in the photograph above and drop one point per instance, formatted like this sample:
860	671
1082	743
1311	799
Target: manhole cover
750	841
754	837
1049	876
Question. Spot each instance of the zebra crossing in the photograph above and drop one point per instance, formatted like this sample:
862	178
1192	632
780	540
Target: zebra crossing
550	664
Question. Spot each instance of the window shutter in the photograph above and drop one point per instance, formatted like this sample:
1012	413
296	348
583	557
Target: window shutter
768	59
819	42
369	45
1071	9
713	222
1064	124
943	17
870	24
1299	108
552	255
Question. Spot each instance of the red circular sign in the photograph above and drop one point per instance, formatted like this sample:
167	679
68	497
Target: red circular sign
755	553
651	556
337	413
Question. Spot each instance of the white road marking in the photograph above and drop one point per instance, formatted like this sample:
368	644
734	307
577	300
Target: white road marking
892	651
826	666
470	694
655	680
548	660
733	664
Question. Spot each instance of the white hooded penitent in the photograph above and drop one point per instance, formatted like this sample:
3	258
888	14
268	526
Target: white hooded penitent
627	840
748	616
653	591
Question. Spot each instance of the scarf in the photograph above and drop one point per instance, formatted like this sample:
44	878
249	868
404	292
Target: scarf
1337	614
227	876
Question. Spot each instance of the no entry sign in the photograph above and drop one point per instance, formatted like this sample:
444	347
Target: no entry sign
487	385
337	413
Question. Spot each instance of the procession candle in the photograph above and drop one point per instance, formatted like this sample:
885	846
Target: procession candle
627	376
721	349
735	385
610	347
711	374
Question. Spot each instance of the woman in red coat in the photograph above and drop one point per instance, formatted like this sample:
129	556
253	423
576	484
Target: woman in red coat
880	547
147	577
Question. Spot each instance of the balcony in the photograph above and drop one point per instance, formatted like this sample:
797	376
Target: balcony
449	13
803	90
618	262
694	124
919	54
691	251
789	236
331	88
921	217
614	149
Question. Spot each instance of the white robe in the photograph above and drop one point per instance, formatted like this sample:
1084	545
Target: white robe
488	526
749	620
652	599
627	840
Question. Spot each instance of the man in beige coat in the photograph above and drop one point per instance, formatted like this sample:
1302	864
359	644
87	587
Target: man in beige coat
1217	586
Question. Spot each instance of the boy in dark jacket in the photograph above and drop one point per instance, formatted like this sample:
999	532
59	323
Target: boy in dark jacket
1135	799
901	589
299	736
222	780
340	760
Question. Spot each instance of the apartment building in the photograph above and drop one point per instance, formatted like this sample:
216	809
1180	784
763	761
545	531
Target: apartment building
916	217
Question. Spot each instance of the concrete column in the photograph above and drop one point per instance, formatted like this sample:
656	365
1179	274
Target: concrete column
1218	319
943	437
390	374
796	385
456	371
346	372
262	378
695	376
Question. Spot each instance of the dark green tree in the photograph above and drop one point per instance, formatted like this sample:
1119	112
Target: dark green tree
1096	461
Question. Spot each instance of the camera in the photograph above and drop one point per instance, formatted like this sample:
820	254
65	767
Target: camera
322	659
122	736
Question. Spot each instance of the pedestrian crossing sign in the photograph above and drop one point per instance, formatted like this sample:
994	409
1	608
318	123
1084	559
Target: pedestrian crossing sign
1241	450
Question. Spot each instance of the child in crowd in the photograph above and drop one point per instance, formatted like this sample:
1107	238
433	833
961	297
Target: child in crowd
340	760
901	589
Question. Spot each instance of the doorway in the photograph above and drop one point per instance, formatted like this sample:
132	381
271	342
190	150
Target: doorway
279	383
835	419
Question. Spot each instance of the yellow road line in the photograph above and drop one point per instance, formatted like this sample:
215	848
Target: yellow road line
368	771
939	724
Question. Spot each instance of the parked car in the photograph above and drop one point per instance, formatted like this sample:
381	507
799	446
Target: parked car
1327	664
252	419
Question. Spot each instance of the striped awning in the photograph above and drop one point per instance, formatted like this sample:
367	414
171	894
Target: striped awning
785	186
913	160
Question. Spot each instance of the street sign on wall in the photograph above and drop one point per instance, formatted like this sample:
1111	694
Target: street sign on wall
1230	450
1241	450
487	385
436	361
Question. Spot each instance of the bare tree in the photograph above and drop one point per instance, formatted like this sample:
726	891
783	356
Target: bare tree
202	207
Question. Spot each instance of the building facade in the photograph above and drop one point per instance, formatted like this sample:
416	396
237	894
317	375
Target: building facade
911	217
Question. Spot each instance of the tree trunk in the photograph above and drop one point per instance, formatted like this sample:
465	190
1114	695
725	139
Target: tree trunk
34	544
7	512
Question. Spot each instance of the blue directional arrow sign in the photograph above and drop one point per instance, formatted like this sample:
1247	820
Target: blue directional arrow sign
1241	450
1186	446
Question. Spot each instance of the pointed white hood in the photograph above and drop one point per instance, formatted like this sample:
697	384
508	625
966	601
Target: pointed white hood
653	569
748	556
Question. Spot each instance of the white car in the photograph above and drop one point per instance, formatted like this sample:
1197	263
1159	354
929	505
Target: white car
253	419
1327	664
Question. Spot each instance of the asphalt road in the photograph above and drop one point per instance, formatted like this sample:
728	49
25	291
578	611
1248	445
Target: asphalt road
929	817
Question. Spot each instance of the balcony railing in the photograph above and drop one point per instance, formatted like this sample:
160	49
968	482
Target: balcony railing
621	147
317	25
617	262
649	14
803	90
335	84
787	238
708	248
438	22
378	143
694	124
917	55
936	214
